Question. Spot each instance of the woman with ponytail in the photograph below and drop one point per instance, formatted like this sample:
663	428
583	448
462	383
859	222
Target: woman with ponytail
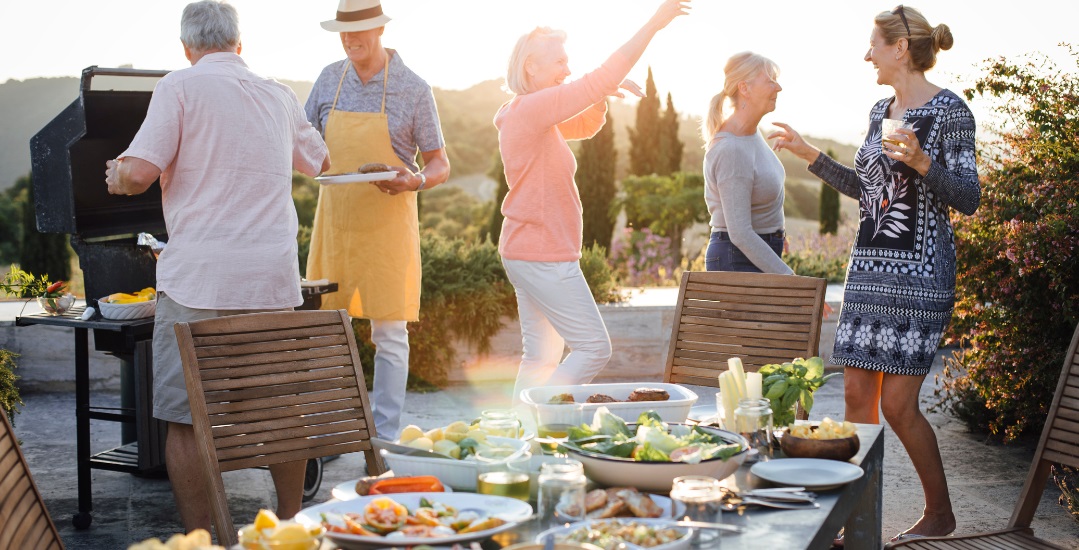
900	286
743	177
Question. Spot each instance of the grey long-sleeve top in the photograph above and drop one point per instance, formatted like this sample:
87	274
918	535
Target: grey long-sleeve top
744	193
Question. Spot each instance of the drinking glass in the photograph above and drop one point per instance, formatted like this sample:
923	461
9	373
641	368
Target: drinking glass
500	423
553	421
501	474
702	497
753	420
561	493
888	126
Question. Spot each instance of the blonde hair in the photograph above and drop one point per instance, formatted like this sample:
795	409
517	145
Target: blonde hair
740	68
517	79
923	39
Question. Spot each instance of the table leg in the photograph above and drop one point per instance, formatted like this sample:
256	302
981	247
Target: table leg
82	519
863	528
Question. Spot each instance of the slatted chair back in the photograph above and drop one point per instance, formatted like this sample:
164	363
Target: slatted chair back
1059	443
24	521
268	388
761	318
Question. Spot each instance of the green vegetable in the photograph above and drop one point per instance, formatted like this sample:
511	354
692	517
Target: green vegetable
789	383
468	446
648	453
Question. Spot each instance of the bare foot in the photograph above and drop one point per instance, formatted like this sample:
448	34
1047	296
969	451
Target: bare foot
933	525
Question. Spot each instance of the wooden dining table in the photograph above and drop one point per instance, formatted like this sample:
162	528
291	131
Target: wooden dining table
855	507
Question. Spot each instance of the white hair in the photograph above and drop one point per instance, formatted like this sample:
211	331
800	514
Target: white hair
210	25
517	79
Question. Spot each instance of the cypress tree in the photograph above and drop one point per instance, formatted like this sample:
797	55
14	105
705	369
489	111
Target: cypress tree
497	173
829	206
670	147
595	179
41	253
644	138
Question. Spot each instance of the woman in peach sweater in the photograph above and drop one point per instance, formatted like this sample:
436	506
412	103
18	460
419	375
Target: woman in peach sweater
541	234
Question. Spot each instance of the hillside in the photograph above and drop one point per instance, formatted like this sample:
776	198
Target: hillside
26	106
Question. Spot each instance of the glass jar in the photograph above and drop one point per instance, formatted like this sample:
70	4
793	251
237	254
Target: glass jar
702	497
504	472
561	493
500	423
753	420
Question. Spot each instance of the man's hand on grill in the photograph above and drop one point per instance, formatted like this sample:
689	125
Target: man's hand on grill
130	175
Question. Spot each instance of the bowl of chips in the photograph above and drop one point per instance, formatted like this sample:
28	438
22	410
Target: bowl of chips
829	440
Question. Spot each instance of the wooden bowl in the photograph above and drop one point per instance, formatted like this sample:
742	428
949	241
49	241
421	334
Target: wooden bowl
831	449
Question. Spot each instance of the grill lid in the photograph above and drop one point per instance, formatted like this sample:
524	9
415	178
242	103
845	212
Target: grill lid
68	161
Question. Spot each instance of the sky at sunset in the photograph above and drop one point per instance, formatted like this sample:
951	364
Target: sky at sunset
828	88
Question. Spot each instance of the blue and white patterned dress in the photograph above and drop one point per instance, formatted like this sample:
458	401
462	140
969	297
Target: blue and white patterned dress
900	287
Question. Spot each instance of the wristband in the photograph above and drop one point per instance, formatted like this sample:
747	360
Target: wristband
423	181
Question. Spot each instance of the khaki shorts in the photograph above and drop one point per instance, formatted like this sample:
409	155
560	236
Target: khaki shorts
170	391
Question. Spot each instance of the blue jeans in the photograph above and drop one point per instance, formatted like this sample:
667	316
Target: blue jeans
722	255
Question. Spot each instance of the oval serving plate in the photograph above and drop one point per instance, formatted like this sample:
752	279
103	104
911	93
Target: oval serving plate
511	510
347	490
356	178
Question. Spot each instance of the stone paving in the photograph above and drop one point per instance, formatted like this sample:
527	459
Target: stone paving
985	480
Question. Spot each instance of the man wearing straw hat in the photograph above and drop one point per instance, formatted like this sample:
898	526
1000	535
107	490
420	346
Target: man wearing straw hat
371	108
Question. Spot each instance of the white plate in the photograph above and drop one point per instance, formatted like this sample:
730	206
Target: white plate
511	510
356	178
814	474
679	544
347	490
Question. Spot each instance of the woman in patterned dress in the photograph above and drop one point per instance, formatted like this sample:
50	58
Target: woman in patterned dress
900	286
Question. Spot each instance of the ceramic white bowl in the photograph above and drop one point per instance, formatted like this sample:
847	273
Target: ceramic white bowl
124	312
675	409
459	474
560	533
657	477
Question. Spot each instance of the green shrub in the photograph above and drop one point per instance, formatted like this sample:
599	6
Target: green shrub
1067	479
9	393
1018	256
601	278
465	296
824	256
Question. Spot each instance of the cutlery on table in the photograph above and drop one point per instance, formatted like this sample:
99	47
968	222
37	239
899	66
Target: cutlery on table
709	525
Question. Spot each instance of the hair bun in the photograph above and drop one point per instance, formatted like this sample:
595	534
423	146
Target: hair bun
942	37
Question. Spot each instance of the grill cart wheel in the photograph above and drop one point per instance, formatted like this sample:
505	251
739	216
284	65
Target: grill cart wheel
82	520
312	478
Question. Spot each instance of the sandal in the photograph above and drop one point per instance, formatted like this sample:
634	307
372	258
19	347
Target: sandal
907	536
837	543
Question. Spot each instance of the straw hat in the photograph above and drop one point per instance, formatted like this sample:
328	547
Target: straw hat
357	15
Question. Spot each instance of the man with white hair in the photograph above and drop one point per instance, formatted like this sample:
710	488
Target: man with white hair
224	142
371	108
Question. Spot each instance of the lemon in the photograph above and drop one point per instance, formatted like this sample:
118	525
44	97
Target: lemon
266	520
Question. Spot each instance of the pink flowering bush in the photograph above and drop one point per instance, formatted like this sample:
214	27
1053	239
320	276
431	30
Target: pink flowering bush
1017	294
812	254
643	258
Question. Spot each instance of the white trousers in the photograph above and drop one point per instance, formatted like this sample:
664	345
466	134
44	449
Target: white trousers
556	309
391	375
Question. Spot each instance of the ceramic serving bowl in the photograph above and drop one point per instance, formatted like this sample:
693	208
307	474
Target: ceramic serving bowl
657	477
830	449
459	474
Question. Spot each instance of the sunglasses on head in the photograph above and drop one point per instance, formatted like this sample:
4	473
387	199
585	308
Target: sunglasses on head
899	11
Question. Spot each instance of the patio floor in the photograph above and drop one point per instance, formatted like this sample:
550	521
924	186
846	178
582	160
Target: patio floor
985	480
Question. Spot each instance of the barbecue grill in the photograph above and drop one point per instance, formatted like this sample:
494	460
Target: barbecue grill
70	196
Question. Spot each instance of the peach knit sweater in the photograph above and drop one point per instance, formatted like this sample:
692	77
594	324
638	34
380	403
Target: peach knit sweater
543	206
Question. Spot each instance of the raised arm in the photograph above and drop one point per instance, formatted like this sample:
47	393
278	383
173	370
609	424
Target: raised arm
586	124
554	105
955	181
842	178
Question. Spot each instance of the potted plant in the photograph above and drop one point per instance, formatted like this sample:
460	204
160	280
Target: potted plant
52	297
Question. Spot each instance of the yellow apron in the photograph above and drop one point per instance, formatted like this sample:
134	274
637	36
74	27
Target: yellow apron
365	240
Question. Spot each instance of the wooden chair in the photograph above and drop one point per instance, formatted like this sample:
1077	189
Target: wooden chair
1059	445
267	388
761	318
24	521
